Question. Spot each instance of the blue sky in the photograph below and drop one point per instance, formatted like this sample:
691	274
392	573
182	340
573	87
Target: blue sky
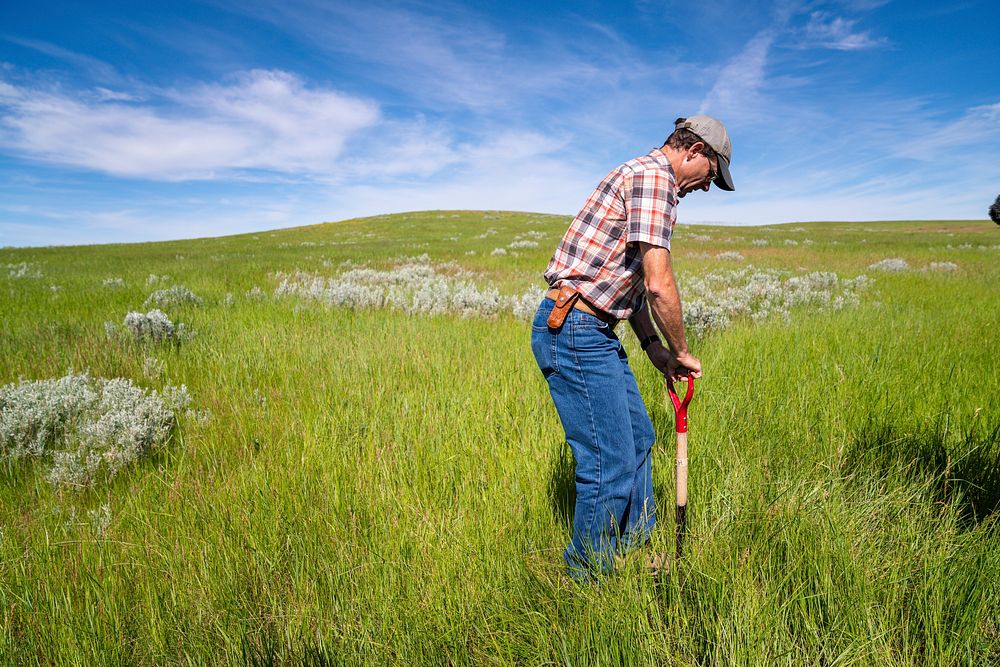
121	121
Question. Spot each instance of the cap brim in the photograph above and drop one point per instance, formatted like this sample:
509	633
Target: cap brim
724	181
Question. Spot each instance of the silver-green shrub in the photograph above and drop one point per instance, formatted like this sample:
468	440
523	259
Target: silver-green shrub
178	295
414	287
942	266
523	307
34	416
713	300
130	423
154	327
85	425
22	270
890	264
78	468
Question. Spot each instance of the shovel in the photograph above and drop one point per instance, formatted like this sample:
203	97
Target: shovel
681	423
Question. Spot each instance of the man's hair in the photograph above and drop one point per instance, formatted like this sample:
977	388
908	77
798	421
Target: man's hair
684	138
995	211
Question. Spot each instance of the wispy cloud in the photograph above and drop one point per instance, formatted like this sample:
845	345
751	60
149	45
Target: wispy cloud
827	31
107	95
541	183
445	59
863	5
263	120
976	132
448	57
96	69
737	86
741	87
887	204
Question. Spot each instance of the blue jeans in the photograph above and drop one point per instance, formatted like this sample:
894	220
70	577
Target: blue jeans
607	429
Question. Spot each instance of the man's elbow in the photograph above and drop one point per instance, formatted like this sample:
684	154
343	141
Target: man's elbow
658	275
655	289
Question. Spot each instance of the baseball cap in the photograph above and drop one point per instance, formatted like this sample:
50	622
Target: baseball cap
713	132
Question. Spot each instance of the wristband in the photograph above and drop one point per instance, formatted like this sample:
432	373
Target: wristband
647	341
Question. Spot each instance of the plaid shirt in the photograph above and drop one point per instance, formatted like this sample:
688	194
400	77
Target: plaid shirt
599	254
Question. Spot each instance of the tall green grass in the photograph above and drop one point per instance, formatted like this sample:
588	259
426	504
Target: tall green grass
380	488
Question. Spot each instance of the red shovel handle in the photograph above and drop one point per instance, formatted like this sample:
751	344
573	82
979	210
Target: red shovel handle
681	407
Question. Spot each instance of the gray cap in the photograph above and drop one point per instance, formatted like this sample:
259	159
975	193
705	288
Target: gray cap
714	134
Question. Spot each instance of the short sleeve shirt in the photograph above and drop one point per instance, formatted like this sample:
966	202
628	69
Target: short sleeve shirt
599	254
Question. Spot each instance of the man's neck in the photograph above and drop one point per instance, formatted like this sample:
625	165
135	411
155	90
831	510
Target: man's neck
674	157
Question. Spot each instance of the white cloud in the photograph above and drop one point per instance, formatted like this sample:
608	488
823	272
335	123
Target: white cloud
889	189
150	220
97	69
445	60
545	185
507	169
399	148
8	92
888	204
513	147
978	130
740	80
442	57
107	95
833	32
265	120
740	87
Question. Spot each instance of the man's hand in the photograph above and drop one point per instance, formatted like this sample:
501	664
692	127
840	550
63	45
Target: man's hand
675	367
686	365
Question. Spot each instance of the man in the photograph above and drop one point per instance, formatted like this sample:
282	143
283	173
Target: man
613	263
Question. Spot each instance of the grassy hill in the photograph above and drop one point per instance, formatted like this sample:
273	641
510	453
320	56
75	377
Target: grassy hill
364	466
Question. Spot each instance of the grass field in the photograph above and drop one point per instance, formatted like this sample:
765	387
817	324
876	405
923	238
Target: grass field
387	483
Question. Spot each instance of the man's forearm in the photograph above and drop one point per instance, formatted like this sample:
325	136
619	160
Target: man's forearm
665	307
662	298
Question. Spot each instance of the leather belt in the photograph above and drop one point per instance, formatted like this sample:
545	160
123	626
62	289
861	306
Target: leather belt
580	304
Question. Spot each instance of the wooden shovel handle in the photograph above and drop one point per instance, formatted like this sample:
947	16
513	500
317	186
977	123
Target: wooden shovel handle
680	421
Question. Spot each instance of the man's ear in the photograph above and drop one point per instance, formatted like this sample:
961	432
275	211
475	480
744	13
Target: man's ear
694	149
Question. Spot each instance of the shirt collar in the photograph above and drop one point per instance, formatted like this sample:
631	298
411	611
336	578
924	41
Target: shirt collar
661	159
